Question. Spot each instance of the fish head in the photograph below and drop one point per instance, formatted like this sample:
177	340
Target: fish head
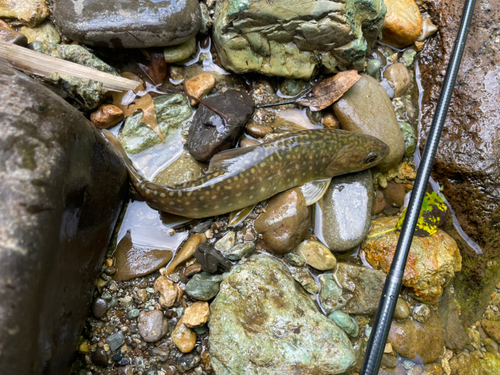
359	154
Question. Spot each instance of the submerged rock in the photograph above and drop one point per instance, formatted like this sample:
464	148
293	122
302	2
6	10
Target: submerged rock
367	109
255	320
344	214
285	223
129	23
44	32
431	264
171	111
204	286
210	133
468	156
294	38
62	189
183	169
29	12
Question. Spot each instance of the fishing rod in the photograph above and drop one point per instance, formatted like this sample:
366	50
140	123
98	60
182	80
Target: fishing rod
393	282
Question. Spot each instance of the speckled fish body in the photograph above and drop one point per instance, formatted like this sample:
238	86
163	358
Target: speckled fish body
241	177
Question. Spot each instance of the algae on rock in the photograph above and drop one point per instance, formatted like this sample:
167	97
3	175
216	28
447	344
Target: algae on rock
293	38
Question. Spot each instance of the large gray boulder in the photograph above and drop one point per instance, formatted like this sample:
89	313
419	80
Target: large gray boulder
293	38
263	322
61	191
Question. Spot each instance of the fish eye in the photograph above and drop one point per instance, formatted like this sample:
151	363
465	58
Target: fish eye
371	157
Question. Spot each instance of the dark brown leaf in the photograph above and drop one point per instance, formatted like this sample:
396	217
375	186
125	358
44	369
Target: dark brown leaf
330	90
157	66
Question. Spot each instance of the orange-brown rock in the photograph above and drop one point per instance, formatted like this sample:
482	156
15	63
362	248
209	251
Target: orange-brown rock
196	315
183	337
403	23
106	116
431	264
199	86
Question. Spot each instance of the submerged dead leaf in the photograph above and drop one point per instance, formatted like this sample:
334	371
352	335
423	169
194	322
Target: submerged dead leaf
330	90
157	66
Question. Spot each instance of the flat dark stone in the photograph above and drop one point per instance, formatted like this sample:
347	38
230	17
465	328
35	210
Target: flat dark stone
210	133
211	260
128	23
61	192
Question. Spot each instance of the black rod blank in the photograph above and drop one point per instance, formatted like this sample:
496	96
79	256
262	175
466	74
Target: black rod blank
392	287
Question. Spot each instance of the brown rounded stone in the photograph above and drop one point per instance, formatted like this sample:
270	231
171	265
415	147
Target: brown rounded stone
330	121
403	23
186	252
199	86
378	203
285	223
168	291
106	116
394	194
257	130
398	77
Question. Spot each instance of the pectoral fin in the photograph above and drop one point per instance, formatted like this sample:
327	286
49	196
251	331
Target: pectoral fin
237	217
314	190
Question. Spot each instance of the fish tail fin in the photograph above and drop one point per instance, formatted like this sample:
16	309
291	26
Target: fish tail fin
134	175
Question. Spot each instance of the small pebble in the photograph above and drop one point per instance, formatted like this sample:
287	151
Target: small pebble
346	322
316	255
258	130
330	121
421	313
99	357
373	68
152	325
241	250
180	52
199	86
106	116
115	340
226	242
196	315
186	252
183	337
99	307
168	291
402	311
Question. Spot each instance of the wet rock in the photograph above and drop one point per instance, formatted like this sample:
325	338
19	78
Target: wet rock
492	329
204	286
285	223
183	337
345	322
102	23
344	213
152	325
106	116
409	137
241	250
409	56
402	311
403	23
99	357
316	255
366	108
469	130
418	342
186	252
373	68
421	313
378	203
304	278
62	189
226	242
361	288
490	364
134	261
466	364
330	296
428	29
171	111
184	169
12	36
99	307
29	12
272	305
180	52
432	262
168	291
188	362
199	86
330	121
90	93
398	77
455	335
44	32
196	315
115	340
209	133
258	130
211	260
299	36
394	194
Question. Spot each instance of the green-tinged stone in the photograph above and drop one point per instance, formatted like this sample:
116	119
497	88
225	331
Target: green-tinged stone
295	259
226	242
204	286
346	322
171	111
185	168
44	32
409	137
241	250
180	52
304	278
263	322
293	38
293	87
89	93
409	56
490	364
373	68
330	296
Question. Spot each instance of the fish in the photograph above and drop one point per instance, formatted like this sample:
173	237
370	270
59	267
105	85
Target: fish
241	177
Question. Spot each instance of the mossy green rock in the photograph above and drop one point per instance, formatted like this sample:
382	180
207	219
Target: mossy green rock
171	111
292	38
89	93
255	320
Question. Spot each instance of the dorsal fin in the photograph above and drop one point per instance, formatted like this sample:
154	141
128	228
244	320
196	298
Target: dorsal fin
222	161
